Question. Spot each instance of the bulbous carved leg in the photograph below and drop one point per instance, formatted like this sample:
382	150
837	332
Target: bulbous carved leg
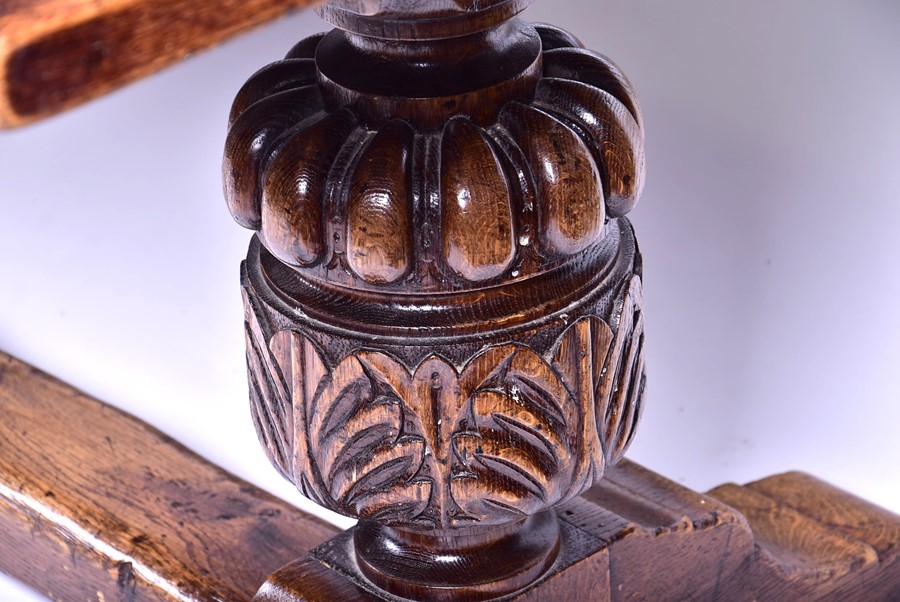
442	438
443	300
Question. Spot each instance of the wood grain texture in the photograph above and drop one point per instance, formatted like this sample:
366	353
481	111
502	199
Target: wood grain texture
456	434
56	54
815	542
503	171
97	505
639	536
443	310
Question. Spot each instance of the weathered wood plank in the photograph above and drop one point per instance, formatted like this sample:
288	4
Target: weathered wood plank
97	505
55	54
814	542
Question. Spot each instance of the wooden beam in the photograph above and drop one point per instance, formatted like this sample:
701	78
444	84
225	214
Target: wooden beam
97	505
56	54
636	535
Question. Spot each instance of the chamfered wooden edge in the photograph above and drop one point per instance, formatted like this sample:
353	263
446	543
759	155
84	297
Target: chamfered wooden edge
97	505
639	536
56	54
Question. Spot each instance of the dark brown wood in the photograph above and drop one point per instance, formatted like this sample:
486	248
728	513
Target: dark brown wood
444	339
478	563
97	505
639	536
421	20
56	54
443	303
444	324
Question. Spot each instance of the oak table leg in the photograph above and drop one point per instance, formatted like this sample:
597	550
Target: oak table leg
443	316
445	337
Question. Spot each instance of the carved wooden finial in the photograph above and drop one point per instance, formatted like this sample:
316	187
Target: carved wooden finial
443	301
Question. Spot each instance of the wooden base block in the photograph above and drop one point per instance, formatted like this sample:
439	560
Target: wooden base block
639	536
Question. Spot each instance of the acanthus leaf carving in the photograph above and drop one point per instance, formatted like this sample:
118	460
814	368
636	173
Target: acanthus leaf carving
508	434
514	453
620	384
270	398
365	457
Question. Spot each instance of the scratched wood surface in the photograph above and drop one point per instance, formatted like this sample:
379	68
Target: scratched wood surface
97	505
55	54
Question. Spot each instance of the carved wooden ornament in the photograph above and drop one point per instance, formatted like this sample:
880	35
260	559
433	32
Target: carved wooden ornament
443	301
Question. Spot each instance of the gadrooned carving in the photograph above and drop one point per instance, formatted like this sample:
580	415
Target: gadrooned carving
509	433
469	205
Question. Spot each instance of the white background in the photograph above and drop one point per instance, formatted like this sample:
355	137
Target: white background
769	228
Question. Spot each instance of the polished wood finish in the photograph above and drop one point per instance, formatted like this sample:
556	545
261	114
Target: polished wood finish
457	200
97	505
443	302
403	435
56	54
445	339
639	536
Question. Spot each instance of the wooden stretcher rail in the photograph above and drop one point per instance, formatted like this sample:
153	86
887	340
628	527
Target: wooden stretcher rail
56	54
97	505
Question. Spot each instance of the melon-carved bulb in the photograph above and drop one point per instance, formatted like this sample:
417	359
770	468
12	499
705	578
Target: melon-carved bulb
463	205
443	300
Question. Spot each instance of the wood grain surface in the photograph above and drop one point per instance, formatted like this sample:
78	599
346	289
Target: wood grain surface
434	166
97	505
815	541
55	54
637	535
444	329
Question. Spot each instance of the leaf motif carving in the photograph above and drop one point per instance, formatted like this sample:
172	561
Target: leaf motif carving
621	384
512	449
511	433
366	459
270	400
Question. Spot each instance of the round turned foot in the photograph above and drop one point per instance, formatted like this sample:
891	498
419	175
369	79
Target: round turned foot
477	563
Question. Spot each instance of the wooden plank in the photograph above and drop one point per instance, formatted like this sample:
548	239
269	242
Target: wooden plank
55	54
659	523
814	542
97	505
